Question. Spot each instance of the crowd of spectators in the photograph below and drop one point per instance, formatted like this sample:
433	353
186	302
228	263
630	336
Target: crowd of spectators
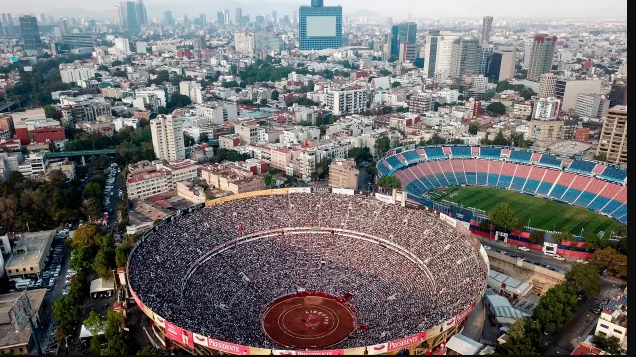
226	295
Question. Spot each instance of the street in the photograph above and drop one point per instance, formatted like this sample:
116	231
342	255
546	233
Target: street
532	255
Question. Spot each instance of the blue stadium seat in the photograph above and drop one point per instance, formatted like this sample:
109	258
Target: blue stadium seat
411	156
451	179
383	168
482	178
550	160
571	195
414	188
461	152
504	181
472	178
558	191
544	188
491	153
611	207
622	211
461	178
517	183
598	203
394	161
520	156
585	199
492	180
434	153
614	174
434	181
442	179
531	186
585	167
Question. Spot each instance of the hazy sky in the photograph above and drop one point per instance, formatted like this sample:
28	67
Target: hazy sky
418	8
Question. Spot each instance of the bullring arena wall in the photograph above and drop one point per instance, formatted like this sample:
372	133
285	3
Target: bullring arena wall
420	343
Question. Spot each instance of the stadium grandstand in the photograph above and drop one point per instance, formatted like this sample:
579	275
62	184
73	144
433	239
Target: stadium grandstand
593	185
371	276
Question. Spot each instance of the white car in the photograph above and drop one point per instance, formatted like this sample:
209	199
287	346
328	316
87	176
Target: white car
559	258
582	261
524	249
487	247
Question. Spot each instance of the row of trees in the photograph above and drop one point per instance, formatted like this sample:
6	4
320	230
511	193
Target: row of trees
108	338
525	92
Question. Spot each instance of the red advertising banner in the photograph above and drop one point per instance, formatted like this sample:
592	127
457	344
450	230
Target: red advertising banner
464	315
320	353
448	324
378	349
228	347
200	339
179	335
406	342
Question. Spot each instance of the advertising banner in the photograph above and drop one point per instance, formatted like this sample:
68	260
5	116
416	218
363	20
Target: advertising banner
451	221
448	324
343	191
464	315
148	312
384	198
435	331
300	190
406	342
322	189
159	321
358	351
378	349
179	335
255	351
320	353
284	353
200	339
228	347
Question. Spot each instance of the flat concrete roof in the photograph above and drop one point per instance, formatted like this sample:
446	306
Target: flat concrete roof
33	245
8	336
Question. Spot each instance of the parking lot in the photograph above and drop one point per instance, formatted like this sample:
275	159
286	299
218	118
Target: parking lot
112	195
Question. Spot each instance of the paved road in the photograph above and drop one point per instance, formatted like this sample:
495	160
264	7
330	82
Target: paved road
114	201
531	255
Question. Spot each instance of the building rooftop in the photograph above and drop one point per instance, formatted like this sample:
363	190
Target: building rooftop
8	335
29	249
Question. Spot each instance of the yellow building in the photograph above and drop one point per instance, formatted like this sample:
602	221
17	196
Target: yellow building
344	174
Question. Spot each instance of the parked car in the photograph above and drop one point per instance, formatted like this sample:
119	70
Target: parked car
523	249
502	252
487	247
559	258
582	261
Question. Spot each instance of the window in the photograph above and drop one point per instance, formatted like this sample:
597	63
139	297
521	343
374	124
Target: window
23	269
9	271
618	332
31	268
604	326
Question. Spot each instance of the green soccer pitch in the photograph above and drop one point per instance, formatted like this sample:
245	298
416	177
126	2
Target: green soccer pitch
536	212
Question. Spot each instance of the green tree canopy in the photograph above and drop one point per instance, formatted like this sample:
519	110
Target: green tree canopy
500	139
396	84
275	94
585	279
151	351
65	310
612	260
81	258
503	217
93	190
94	323
87	236
382	145
269	180
519	341
105	263
473	128
611	344
389	183
537	237
556	308
497	108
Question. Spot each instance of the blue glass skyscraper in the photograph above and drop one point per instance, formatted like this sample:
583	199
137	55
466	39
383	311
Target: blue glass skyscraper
320	27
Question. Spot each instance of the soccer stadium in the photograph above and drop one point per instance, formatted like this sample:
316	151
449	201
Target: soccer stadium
308	271
593	186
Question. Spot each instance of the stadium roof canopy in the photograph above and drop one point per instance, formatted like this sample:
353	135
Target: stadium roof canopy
463	345
500	306
100	285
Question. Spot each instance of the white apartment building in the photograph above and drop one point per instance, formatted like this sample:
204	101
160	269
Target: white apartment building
147	100
193	90
348	100
159	92
244	43
74	73
146	179
451	95
479	83
120	123
299	134
333	150
122	46
438	53
218	112
83	108
592	105
167	138
546	109
613	320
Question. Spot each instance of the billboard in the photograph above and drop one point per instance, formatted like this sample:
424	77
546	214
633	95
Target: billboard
451	221
464	315
406	342
343	191
228	347
200	339
321	26
384	198
179	335
300	190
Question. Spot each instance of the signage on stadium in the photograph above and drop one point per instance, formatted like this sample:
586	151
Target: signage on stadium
406	342
322	189
300	190
464	315
451	221
320	353
343	191
384	198
227	347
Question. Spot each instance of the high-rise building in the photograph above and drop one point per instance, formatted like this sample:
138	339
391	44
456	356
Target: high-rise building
226	16
238	18
275	17
320	27
142	17
244	43
618	94
30	35
547	84
501	65
465	57
613	140
192	89
220	18
568	90
592	105
546	109
343	173
128	15
438	53
541	56
167	18
167	138
408	52
348	100
116	19
203	19
486	29
486	51
259	19
405	32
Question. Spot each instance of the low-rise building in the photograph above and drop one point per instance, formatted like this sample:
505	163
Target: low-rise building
15	335
147	179
229	141
83	108
613	320
29	254
343	173
232	178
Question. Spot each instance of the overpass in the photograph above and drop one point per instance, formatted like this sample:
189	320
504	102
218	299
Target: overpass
62	154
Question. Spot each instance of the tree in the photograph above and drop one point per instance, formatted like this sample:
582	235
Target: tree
600	157
484	226
611	345
121	255
622	245
503	217
519	341
81	258
488	95
610	259
275	95
322	168
584	279
188	140
372	170
49	111
473	128
87	236
500	139
389	183
496	108
537	237
65	310
93	190
179	101
382	145
105	263
94	323
396	84
556	308
116	63
150	351
269	180
564	237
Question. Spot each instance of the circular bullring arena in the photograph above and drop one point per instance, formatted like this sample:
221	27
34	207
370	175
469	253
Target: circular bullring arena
279	270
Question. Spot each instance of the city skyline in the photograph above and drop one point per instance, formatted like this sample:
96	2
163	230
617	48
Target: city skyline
448	9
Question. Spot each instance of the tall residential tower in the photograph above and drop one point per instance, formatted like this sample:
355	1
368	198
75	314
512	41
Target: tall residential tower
541	56
320	27
486	29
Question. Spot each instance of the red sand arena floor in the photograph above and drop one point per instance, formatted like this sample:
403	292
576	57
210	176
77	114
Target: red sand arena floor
308	322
